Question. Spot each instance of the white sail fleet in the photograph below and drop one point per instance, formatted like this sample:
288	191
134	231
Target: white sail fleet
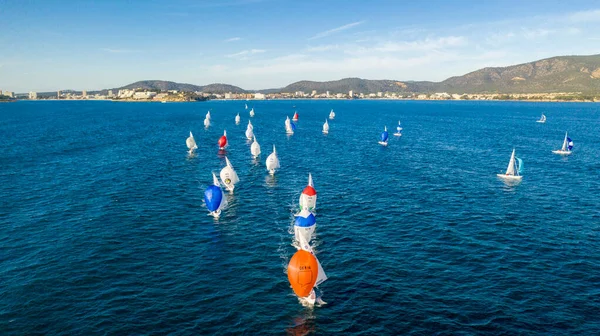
305	220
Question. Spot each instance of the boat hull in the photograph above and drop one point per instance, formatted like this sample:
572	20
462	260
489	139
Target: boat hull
397	134
510	177
383	143
561	152
540	121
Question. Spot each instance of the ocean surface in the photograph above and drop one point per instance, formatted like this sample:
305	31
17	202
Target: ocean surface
103	230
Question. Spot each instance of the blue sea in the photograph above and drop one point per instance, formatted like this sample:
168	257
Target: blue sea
103	230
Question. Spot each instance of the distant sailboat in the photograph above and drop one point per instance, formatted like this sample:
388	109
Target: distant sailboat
255	148
223	140
331	115
237	119
206	122
566	148
384	137
272	162
246	105
514	170
308	198
252	112
250	131
191	143
228	176
398	130
542	119
214	198
288	126
326	127
295	118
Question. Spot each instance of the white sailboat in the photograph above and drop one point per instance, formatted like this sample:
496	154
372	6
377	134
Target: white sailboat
326	127
331	114
288	126
252	112
542	119
272	162
208	115
206	122
398	129
566	148
214	199
250	131
255	148
384	137
515	167
246	105
191	143
228	176
237	119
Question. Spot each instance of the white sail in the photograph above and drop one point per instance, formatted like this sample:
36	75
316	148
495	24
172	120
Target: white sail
308	197
272	161
206	122
510	170
321	276
249	132
246	105
255	148
252	112
208	115
223	199
288	126
250	126
331	114
191	143
310	180
326	127
237	119
228	176
564	146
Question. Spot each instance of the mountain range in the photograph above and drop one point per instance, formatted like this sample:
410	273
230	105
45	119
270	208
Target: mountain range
555	74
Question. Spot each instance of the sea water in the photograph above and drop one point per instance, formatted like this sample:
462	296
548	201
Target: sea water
103	230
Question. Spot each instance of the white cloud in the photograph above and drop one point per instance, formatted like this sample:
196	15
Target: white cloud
534	34
321	48
425	45
336	30
233	39
245	53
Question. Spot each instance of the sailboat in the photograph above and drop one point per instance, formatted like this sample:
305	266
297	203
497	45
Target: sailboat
331	114
191	143
246	105
326	127
208	115
566	148
295	118
252	112
384	137
237	119
288	126
206	122
255	148
398	130
542	119
249	131
308	198
515	167
223	140
228	176
272	162
214	198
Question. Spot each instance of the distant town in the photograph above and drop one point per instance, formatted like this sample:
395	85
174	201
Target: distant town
144	95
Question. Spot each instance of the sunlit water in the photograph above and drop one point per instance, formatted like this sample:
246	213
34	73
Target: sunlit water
103	230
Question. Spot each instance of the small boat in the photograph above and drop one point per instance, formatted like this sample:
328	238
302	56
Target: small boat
331	115
272	162
566	148
384	137
223	140
214	198
295	118
515	167
326	127
398	130
206	122
237	119
255	148
163	101
246	105
228	176
308	198
542	119
304	227
191	143
305	273
250	131
252	112
288	126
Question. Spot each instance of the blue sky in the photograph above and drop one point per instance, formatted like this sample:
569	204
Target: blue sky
256	44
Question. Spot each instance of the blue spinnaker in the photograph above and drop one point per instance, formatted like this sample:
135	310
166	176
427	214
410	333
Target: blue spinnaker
384	136
213	196
569	143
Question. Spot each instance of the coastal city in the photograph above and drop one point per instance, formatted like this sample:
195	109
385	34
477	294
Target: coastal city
145	95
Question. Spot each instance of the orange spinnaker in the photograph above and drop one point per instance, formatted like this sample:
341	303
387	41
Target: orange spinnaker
302	272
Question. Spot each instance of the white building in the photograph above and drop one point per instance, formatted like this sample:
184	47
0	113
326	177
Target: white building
327	94
84	93
379	94
9	94
314	93
110	93
144	95
228	95
259	96
340	95
351	93
32	95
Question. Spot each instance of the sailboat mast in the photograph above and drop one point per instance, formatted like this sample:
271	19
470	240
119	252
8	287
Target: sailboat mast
564	146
